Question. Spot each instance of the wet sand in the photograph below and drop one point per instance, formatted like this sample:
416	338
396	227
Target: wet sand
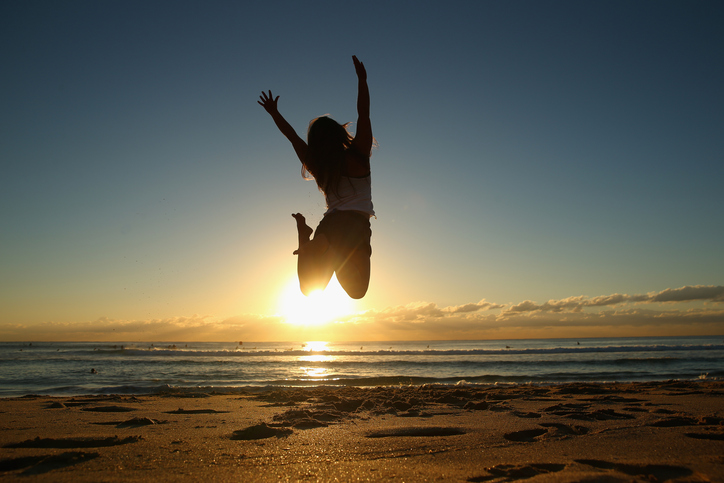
664	431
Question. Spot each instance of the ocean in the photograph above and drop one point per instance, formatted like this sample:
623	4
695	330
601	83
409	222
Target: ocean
75	368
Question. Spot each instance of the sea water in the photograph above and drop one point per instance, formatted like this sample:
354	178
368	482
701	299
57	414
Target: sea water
73	368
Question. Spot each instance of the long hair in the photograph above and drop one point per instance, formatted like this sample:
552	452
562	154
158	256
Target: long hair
327	141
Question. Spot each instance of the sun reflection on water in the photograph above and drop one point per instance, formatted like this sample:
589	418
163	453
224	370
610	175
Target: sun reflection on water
315	372
315	346
317	354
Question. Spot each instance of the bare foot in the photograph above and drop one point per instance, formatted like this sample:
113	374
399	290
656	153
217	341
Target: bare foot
303	230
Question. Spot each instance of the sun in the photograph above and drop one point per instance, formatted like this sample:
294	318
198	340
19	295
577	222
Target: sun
319	308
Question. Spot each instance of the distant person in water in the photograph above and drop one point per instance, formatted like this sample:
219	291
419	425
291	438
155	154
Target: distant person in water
340	164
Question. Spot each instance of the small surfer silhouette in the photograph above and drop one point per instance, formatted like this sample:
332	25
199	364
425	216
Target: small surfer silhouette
340	164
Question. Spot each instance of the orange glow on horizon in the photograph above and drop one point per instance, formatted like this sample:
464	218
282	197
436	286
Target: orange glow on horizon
317	309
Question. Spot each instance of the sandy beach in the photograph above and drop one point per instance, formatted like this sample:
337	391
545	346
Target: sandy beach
663	431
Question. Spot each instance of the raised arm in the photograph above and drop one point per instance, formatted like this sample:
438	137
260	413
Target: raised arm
269	103
363	133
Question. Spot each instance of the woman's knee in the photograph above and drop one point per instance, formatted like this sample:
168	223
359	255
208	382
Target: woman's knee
355	286
307	287
357	292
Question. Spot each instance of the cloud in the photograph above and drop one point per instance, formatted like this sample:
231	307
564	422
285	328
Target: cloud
576	316
482	305
668	312
690	293
577	304
418	311
175	329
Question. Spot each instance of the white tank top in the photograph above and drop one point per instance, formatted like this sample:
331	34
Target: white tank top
353	194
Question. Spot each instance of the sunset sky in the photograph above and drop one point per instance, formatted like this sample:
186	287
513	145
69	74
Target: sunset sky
543	169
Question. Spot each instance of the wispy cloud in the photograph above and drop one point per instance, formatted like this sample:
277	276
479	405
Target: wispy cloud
176	329
577	304
689	310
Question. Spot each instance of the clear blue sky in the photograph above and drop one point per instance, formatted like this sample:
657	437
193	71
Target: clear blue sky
529	152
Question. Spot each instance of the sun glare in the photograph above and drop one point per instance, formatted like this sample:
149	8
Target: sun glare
313	347
319	308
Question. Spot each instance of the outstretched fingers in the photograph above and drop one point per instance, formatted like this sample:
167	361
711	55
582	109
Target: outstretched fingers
359	67
268	102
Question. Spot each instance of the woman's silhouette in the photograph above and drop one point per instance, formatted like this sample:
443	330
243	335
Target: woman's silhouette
340	164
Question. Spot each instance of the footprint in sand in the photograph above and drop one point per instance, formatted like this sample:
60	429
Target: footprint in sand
550	430
416	432
308	419
663	411
636	408
582	411
608	414
673	422
614	399
74	442
109	409
517	472
709	436
132	423
679	421
648	472
195	411
568	410
136	422
35	465
563	430
260	431
527	415
308	424
525	436
476	406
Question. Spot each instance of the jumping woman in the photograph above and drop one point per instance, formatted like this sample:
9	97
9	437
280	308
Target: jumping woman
340	164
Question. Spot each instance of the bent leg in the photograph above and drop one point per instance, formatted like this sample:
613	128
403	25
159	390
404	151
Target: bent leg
353	274
315	262
304	231
314	270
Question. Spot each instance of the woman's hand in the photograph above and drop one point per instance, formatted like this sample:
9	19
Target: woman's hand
363	133
359	67
269	103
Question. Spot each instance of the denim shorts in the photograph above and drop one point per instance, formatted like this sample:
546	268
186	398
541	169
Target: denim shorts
347	232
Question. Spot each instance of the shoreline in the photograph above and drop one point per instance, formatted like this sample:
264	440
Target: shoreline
648	431
373	383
